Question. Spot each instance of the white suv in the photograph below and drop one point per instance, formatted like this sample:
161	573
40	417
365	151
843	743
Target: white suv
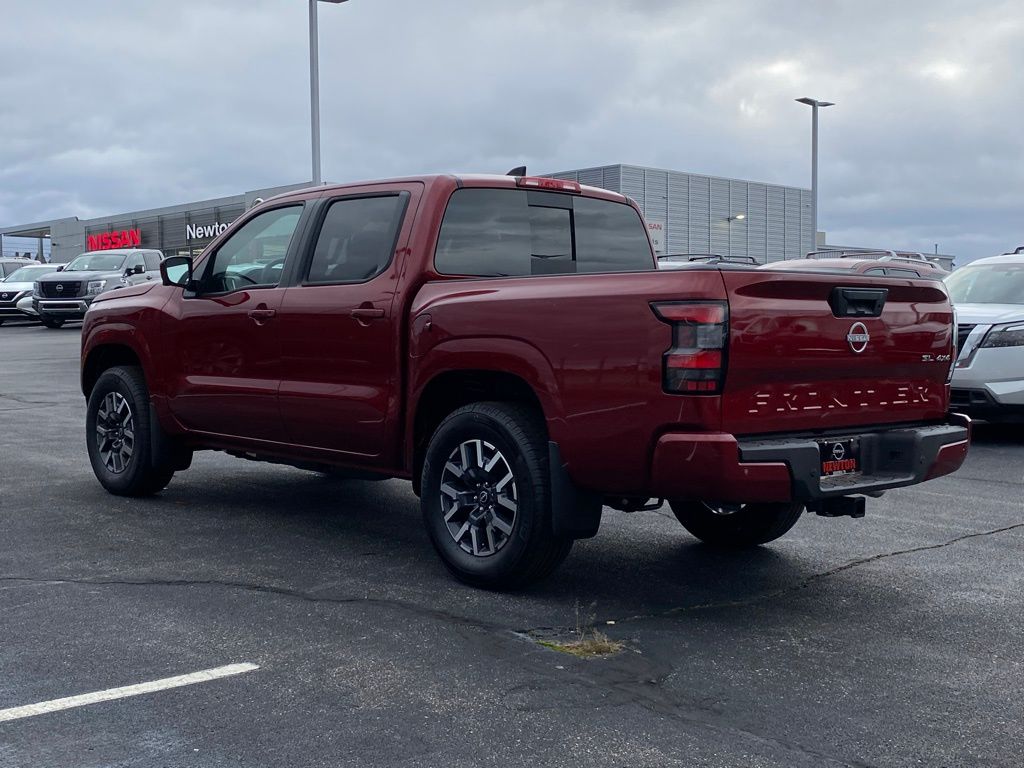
988	380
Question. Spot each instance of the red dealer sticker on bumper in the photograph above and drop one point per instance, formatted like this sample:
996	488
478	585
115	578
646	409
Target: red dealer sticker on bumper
839	457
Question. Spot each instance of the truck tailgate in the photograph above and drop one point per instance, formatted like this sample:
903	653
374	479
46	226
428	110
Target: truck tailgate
800	358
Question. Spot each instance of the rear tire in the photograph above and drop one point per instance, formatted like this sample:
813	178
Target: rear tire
50	322
738	526
118	435
486	497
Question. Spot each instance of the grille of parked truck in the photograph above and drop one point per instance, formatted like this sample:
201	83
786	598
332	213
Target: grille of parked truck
509	345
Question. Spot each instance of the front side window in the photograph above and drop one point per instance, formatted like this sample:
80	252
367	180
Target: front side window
506	232
357	239
135	260
254	255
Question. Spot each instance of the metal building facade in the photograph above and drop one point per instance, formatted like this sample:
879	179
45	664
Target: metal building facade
699	213
183	229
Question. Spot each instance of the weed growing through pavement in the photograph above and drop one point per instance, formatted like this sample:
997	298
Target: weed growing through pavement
587	642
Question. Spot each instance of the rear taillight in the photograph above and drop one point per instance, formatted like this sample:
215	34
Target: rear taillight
695	363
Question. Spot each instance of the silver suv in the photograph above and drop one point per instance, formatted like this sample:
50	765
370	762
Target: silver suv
988	380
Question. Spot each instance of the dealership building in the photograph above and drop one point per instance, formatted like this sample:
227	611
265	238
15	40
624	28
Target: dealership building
685	213
175	229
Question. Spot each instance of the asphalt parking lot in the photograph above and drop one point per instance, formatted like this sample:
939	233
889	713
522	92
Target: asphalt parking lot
896	640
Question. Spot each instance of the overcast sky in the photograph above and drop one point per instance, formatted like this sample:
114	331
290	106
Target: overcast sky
108	107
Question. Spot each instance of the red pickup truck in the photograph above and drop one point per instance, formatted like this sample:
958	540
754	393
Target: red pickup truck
508	344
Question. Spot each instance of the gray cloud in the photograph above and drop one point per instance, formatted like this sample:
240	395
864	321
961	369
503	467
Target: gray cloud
113	106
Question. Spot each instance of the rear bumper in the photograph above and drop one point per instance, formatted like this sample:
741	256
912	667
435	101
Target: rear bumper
718	467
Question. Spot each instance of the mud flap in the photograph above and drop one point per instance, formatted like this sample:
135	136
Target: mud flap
163	450
575	513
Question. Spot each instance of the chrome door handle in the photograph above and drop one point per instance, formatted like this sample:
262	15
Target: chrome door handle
260	316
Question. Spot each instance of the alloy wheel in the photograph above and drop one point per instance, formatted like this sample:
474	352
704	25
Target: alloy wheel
479	498
115	432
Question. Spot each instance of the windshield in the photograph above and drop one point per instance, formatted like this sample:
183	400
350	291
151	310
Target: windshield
28	274
96	262
987	284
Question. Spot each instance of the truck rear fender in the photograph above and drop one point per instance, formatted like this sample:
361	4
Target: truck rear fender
467	370
459	371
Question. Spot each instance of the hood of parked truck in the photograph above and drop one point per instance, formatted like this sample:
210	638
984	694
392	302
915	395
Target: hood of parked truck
131	290
989	314
66	276
13	288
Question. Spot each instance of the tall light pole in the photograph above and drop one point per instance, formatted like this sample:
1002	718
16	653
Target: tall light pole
814	104
314	86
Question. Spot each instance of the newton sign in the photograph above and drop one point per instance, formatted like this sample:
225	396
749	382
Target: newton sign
204	231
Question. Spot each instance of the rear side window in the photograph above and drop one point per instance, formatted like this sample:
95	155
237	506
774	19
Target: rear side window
510	232
357	239
610	237
152	261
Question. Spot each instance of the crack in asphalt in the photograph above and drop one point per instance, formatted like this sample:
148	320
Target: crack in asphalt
807	581
270	590
17	399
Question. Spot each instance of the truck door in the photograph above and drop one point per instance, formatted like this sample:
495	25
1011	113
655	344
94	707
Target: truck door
225	337
341	326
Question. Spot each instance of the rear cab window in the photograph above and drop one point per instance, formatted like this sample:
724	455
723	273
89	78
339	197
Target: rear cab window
357	239
516	233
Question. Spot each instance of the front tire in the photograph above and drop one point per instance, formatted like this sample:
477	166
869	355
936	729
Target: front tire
486	497
118	435
50	322
736	525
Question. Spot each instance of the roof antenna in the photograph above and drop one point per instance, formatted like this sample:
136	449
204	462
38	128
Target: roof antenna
517	171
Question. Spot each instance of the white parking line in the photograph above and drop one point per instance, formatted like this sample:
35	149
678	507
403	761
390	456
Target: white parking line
55	705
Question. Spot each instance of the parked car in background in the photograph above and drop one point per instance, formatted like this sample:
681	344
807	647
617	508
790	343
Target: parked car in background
508	345
988	295
67	295
10	264
16	291
678	260
874	263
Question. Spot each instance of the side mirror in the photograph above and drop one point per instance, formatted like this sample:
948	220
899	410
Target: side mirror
139	269
177	271
60	268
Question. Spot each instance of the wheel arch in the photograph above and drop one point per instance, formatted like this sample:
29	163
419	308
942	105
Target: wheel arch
102	357
451	389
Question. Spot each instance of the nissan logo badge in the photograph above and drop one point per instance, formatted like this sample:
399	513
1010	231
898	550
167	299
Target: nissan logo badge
858	338
60	288
838	452
3	297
